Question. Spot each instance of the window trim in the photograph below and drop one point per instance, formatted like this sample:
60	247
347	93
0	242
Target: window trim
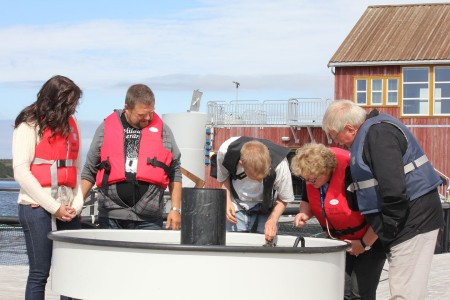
369	91
429	109
434	82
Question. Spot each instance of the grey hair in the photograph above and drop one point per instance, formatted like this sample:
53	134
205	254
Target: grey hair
341	113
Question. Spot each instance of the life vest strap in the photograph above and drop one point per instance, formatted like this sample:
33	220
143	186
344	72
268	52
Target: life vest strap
360	185
60	163
156	163
54	165
105	165
239	176
415	164
347	231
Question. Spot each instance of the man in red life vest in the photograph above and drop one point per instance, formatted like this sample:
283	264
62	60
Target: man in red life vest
133	158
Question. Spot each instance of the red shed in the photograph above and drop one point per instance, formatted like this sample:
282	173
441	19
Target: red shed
397	59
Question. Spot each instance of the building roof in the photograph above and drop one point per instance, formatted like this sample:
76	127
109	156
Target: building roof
398	34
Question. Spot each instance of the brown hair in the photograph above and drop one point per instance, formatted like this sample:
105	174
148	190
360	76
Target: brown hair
56	102
139	93
255	158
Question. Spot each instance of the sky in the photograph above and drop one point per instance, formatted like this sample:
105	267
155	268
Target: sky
276	50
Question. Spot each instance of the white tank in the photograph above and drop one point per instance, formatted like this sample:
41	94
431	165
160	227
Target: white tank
152	264
189	131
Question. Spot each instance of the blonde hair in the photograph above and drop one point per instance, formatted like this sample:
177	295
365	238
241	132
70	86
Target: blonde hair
341	113
255	158
313	160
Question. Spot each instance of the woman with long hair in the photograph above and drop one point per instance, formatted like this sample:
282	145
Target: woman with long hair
47	164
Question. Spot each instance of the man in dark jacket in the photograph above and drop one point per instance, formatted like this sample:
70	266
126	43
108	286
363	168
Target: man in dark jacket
396	187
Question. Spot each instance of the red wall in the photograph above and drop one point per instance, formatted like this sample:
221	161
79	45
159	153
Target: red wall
434	138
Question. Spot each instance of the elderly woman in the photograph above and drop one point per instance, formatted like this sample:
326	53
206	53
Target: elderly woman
325	172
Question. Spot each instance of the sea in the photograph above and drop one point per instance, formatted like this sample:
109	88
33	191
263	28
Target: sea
8	199
12	243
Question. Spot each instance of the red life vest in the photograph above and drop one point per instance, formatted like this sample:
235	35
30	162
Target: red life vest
153	159
343	223
55	158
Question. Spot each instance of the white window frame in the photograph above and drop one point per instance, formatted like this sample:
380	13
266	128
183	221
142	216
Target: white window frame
389	92
424	98
437	99
373	92
357	92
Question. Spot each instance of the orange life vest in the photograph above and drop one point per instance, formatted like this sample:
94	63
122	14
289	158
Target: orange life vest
55	159
333	212
153	159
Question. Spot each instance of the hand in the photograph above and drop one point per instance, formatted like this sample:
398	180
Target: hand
65	213
174	220
300	220
231	212
356	247
270	229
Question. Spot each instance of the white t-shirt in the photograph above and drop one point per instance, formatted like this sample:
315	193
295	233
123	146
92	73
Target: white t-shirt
250	192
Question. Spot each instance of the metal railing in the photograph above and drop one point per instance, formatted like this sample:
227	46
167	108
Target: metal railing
292	112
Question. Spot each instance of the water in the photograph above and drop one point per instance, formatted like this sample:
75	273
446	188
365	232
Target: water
8	200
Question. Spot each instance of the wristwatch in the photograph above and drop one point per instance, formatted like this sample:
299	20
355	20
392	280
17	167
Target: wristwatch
364	245
176	209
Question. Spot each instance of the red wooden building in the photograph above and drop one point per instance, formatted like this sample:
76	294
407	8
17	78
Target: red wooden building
396	59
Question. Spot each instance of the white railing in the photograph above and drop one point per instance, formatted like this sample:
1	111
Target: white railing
292	112
444	187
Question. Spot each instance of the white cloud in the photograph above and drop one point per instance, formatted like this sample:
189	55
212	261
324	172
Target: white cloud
237	37
266	45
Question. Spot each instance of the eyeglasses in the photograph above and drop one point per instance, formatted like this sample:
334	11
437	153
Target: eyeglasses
312	181
333	137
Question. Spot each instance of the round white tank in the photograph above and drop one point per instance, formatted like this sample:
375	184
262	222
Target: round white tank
152	264
189	131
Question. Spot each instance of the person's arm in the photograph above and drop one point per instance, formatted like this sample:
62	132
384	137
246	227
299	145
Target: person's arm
89	173
86	187
270	228
175	179
23	149
304	214
384	148
223	176
357	246
230	209
78	199
174	216
285	194
23	146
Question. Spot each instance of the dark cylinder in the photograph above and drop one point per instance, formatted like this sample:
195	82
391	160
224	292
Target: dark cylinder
203	219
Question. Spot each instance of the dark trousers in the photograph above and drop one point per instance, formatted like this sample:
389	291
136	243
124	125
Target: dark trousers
362	274
37	223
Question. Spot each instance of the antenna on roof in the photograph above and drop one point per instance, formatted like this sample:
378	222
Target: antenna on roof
237	88
195	102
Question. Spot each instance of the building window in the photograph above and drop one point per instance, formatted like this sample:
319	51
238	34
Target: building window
415	91
442	91
377	92
361	91
392	92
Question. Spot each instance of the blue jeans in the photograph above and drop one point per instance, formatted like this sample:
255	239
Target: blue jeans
108	223
246	221
36	224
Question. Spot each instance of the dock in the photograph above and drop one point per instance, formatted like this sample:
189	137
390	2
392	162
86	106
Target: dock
13	281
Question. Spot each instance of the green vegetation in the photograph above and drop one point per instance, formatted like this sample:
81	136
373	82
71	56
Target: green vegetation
6	170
